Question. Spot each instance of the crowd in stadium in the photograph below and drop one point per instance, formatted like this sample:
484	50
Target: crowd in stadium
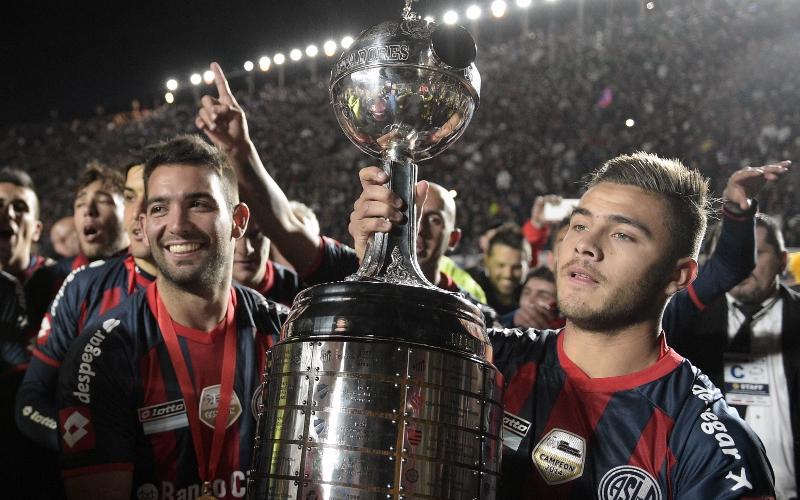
713	84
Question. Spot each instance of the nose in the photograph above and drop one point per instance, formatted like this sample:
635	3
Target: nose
587	246
177	220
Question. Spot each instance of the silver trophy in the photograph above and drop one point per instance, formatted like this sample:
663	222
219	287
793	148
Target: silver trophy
382	386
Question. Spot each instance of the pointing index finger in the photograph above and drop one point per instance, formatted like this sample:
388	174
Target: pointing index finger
223	89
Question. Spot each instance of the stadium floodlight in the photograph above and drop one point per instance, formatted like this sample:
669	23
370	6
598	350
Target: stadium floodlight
330	48
172	84
248	65
296	54
195	78
453	193
650	5
473	12
524	3
498	8
208	77
629	122
264	63
347	42
551	1
169	97
279	59
450	17
312	50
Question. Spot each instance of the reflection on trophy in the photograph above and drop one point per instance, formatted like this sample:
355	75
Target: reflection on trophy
381	386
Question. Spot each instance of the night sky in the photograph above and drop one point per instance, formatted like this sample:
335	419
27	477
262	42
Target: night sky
73	56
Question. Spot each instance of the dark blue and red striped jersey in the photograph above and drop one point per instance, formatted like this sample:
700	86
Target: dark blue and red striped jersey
87	292
334	262
121	405
662	433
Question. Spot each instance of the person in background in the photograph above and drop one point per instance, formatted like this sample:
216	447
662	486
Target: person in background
505	263
64	238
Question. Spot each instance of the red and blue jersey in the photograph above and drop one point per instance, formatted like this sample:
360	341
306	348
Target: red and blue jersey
121	405
87	292
280	284
662	433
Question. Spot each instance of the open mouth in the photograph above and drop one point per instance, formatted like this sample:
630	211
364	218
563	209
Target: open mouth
582	277
183	249
91	233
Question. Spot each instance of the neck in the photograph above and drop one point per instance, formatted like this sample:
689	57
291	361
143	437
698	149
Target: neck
201	311
146	265
612	354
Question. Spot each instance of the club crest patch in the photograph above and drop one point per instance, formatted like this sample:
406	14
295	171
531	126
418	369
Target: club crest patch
209	405
627	482
560	456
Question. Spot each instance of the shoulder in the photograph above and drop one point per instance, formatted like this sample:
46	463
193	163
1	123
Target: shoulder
513	346
81	280
717	454
256	310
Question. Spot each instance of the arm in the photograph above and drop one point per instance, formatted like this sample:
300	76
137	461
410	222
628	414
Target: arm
37	393
733	257
96	415
224	122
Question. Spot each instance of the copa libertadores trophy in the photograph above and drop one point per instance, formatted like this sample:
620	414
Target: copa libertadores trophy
381	386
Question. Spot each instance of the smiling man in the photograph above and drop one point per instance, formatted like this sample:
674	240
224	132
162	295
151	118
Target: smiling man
158	396
604	406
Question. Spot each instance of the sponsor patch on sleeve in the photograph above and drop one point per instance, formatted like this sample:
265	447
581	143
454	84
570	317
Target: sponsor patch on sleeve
163	417
77	432
514	430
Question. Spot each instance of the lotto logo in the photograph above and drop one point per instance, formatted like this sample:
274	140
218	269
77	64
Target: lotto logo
76	425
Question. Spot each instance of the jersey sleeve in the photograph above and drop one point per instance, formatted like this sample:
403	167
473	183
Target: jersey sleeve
35	410
13	314
97	417
513	347
335	261
722	458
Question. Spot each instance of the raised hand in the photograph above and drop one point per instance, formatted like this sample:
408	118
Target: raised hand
222	119
743	185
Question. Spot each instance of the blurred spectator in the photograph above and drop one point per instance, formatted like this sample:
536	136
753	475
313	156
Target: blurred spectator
64	238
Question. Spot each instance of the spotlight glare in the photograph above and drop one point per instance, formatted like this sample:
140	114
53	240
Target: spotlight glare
473	12
430	19
169	97
330	48
195	78
208	77
279	59
295	54
498	8
650	5
524	3
248	65
172	84
347	42
629	122
450	17
264	63
312	51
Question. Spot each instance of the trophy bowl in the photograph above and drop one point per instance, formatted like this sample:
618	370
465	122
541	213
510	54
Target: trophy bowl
409	86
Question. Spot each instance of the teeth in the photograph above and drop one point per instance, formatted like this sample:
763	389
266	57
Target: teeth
184	248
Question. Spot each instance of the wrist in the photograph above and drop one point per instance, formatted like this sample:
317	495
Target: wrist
733	208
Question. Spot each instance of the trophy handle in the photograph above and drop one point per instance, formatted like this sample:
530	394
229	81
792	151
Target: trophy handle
392	257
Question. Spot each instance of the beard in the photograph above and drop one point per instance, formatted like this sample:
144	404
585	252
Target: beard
196	277
626	304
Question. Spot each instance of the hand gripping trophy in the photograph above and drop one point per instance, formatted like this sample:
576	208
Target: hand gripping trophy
382	386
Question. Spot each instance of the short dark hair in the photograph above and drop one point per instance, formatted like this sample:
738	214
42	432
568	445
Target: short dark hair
774	235
97	171
685	192
510	235
192	150
20	178
542	273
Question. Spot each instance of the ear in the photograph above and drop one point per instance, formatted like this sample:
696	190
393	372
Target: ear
37	230
142	221
241	216
683	273
455	237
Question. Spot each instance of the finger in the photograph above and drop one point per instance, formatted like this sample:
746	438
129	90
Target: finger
367	209
199	123
361	230
219	111
204	115
370	176
421	196
223	89
380	194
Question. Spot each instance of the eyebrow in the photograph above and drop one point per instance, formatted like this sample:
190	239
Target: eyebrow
189	196
618	219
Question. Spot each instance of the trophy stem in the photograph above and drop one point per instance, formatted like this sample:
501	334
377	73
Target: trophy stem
392	257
